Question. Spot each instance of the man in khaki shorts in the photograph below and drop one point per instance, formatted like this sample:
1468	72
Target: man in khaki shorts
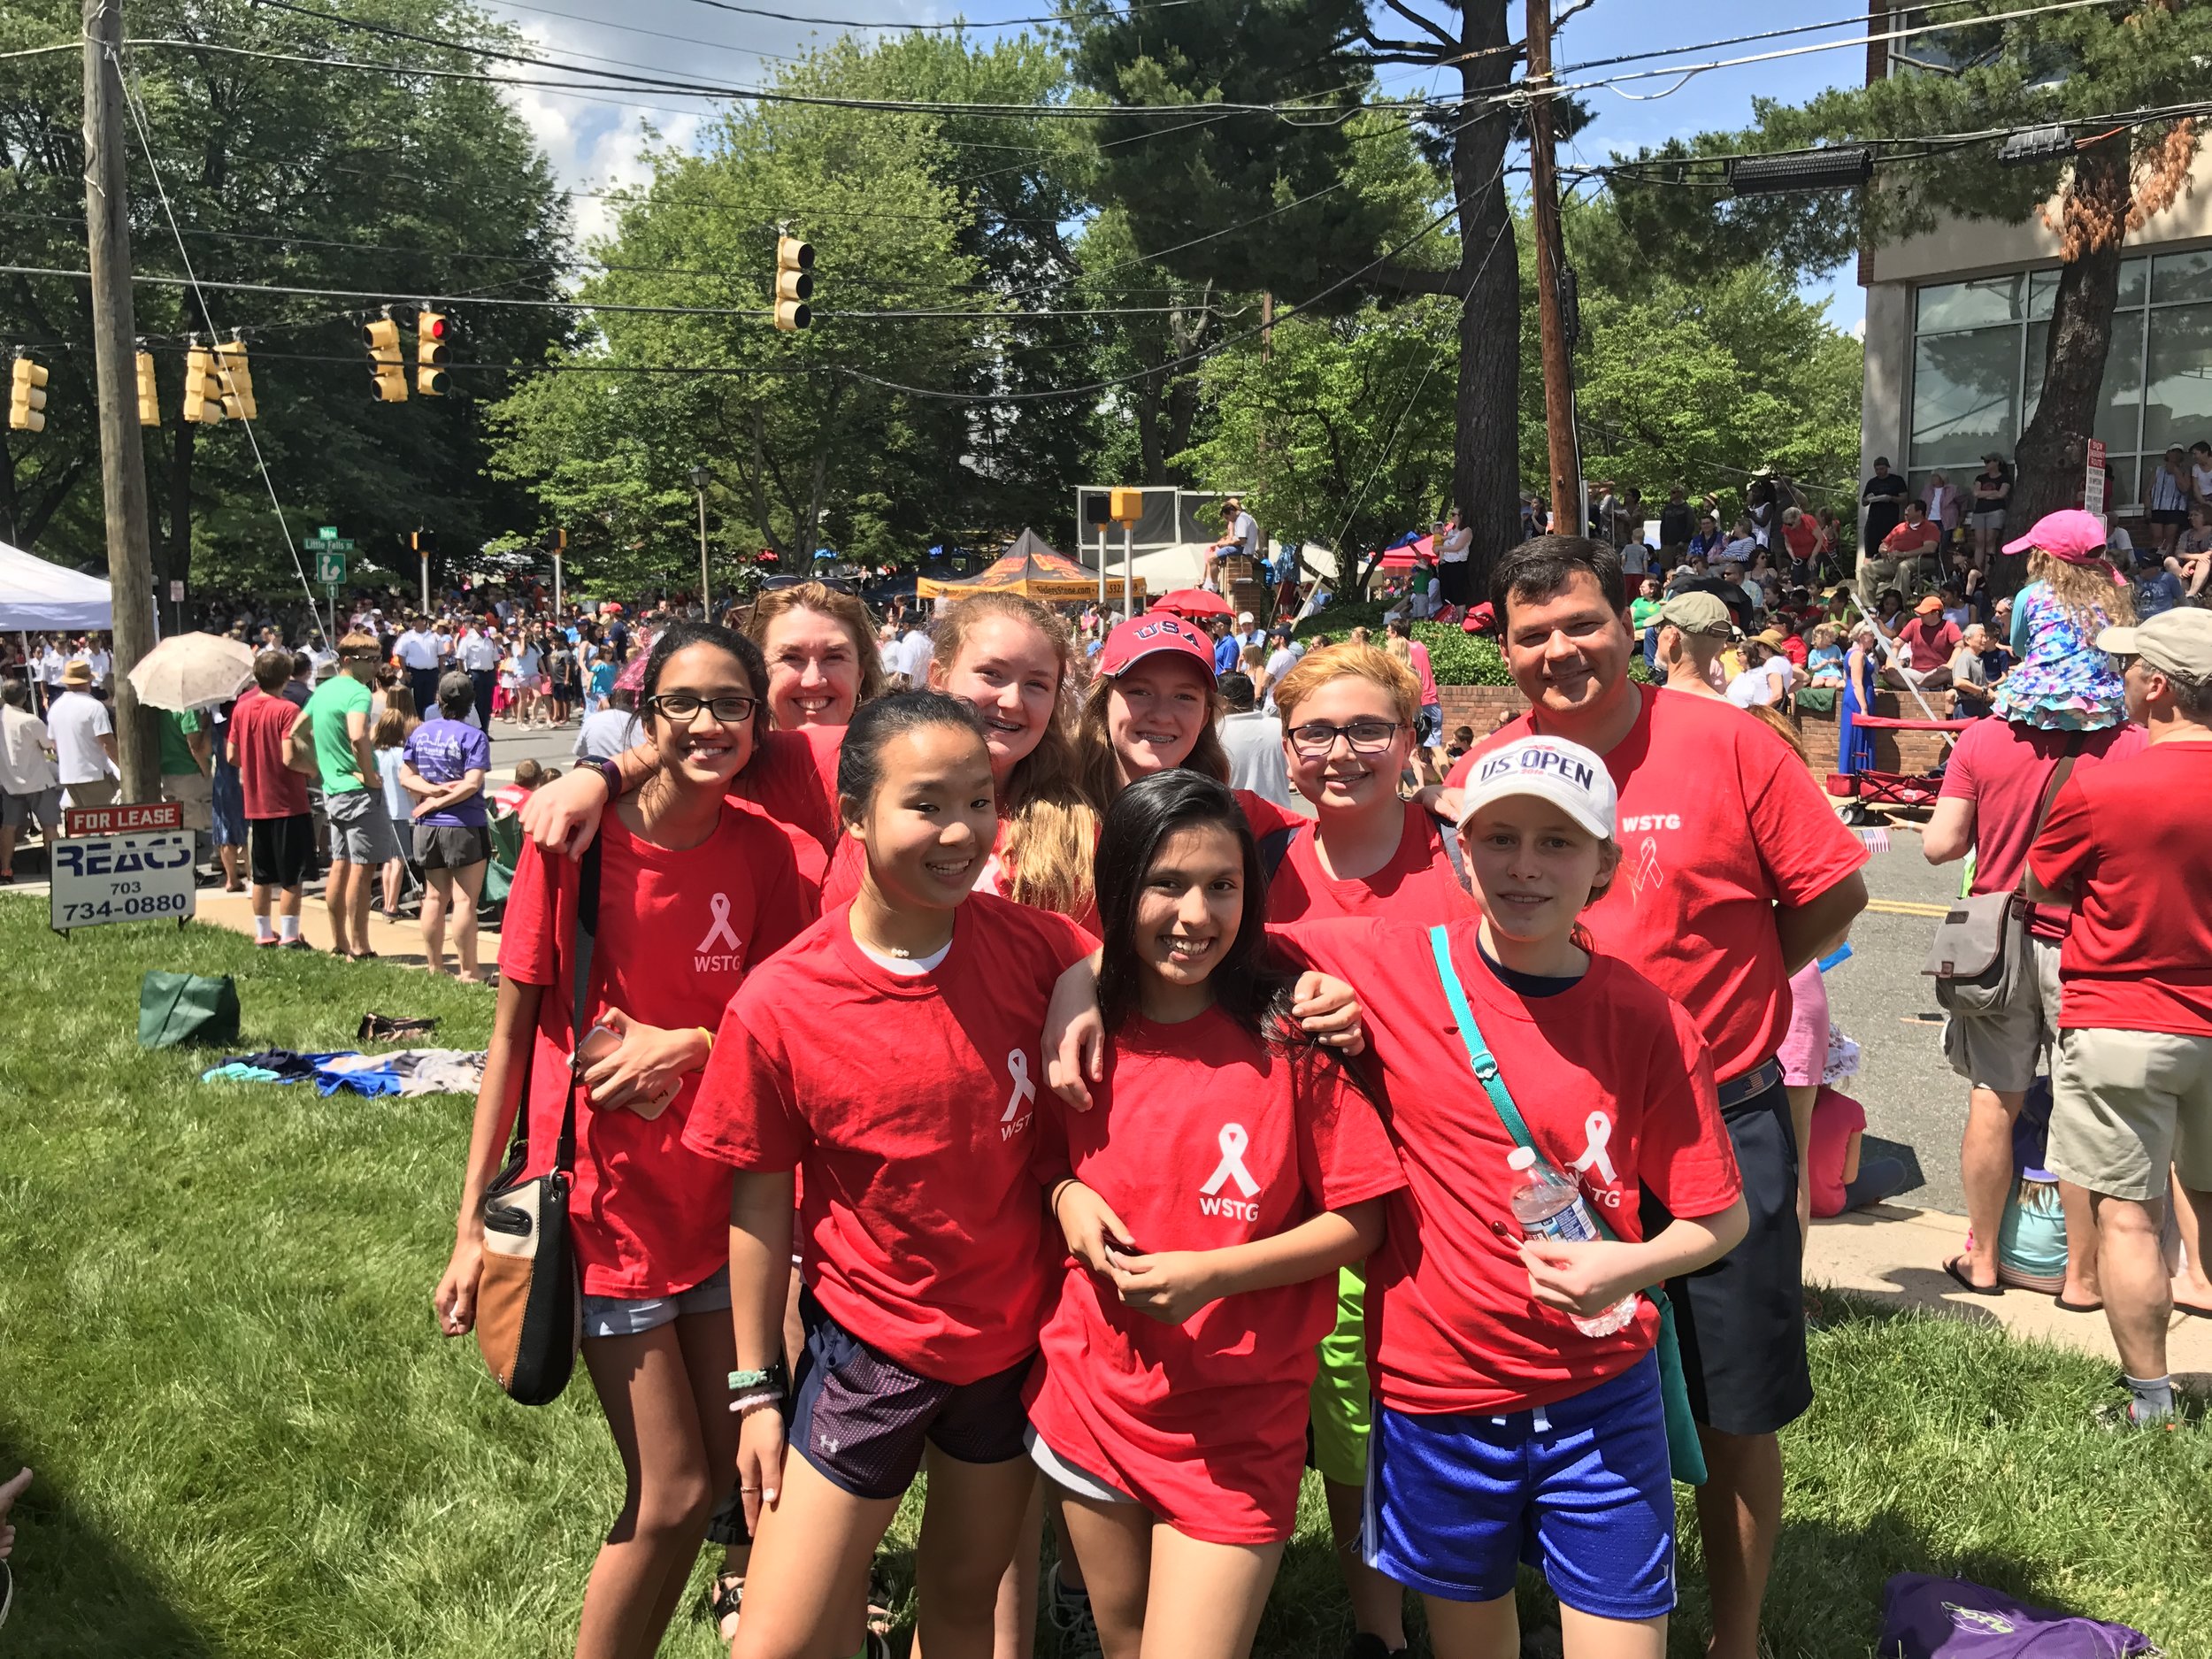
2132	1080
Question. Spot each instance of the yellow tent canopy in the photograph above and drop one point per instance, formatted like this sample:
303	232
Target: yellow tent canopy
1032	569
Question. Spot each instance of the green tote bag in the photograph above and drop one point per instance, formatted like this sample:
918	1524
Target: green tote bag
175	1008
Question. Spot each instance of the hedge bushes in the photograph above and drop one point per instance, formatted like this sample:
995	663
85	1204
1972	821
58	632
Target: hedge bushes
1456	657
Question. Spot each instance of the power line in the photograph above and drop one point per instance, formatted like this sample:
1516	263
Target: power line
848	23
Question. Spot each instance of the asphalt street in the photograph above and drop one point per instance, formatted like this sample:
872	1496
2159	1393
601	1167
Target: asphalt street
1913	1100
1912	1097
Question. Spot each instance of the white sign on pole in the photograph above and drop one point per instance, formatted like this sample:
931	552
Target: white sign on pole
2092	484
141	878
176	592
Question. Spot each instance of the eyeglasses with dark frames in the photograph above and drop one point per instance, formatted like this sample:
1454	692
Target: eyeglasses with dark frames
683	708
1316	737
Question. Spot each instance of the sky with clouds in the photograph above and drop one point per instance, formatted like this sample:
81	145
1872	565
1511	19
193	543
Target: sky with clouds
594	142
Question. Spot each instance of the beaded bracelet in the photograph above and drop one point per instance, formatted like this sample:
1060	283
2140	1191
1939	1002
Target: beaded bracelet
745	1405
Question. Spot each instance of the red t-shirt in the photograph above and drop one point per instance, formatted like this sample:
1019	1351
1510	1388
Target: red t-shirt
907	1104
792	778
1202	1137
2128	839
1719	822
1793	647
1610	1075
1908	539
678	932
1801	538
1418	885
1931	646
260	725
2003	768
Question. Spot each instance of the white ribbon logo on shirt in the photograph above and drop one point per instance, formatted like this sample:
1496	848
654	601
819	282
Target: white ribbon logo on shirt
1233	1141
1024	1091
1599	1127
720	929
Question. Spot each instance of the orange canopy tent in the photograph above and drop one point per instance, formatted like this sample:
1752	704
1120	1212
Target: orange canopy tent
1032	569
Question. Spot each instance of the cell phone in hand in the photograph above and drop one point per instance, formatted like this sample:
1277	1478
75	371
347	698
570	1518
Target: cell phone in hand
598	1043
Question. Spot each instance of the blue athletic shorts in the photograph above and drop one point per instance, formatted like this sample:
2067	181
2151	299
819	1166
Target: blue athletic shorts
1579	1489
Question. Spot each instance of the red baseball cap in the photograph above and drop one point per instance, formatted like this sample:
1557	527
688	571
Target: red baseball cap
2070	535
1141	636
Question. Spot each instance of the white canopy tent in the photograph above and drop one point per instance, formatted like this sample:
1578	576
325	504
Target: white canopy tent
36	597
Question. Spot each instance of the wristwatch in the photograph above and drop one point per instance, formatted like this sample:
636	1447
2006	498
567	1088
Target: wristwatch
775	1377
612	773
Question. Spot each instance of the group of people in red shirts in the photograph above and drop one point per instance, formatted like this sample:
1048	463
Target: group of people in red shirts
969	1080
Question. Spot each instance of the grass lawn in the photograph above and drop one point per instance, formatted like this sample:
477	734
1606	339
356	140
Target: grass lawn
216	1350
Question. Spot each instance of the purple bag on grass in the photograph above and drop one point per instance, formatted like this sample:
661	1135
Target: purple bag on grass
1926	1618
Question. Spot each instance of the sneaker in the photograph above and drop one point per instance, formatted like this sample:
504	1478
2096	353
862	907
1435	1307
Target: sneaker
2124	1415
1070	1616
1367	1645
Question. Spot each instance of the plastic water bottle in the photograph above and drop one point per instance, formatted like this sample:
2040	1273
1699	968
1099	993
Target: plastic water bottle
1548	1205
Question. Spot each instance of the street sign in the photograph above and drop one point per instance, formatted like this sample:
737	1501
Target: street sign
2092	484
138	877
176	592
330	569
328	533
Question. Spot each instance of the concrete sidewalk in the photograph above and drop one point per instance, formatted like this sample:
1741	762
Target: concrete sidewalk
394	942
1895	1255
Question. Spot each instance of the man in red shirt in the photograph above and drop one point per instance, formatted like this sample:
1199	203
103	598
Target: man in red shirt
1994	787
1931	637
2126	843
280	832
1734	873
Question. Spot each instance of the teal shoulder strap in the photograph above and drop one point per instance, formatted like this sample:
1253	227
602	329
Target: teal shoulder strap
1479	1055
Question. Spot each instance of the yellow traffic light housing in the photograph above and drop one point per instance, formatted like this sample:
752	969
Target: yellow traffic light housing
388	379
431	328
25	398
149	397
202	390
1124	506
236	380
795	283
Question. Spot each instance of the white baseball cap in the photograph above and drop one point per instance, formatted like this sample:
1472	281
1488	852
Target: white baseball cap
1244	619
1571	777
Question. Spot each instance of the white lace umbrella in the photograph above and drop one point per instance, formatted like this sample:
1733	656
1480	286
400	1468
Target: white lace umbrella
193	671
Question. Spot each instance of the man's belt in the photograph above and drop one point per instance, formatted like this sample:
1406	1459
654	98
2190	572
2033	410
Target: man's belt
1756	1081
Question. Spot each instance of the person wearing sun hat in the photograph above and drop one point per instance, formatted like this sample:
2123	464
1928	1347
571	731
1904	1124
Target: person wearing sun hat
2063	682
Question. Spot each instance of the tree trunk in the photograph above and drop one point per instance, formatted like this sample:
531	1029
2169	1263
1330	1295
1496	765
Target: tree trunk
2052	452
1486	446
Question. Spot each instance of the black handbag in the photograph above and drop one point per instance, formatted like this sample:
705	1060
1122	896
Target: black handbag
1980	954
529	1305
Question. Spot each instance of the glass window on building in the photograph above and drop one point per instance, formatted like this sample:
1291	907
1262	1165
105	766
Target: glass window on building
1978	348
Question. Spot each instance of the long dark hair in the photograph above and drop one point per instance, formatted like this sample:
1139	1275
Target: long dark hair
748	659
1249	985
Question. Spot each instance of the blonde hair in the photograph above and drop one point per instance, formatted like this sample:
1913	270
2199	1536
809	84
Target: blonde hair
1051	833
1316	669
1098	772
1767	715
1823	635
838	606
2089	594
397	719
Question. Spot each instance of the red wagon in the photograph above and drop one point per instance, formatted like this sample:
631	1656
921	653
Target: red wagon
1870	787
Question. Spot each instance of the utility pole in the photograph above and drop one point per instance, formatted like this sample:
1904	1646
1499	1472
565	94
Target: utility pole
700	479
1559	417
115	359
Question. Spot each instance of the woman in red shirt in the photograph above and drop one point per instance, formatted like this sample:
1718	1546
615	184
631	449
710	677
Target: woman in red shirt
677	862
921	1231
1227	1169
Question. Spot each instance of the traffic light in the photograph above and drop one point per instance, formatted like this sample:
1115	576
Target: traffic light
148	398
237	380
430	336
388	379
27	399
202	391
422	542
795	283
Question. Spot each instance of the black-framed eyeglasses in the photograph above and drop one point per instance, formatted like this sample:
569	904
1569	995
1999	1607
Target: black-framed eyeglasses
683	708
1316	737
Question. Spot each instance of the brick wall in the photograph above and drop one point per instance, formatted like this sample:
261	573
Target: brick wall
1483	707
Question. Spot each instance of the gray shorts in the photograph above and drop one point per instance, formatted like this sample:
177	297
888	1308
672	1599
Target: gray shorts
43	809
360	829
2120	1101
451	846
194	792
635	1315
2002	1051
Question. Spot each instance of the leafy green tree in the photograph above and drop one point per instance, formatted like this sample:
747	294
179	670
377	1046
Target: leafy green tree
2076	68
280	175
806	435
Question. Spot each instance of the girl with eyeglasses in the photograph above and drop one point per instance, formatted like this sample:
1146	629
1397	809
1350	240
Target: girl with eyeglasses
1226	1168
695	892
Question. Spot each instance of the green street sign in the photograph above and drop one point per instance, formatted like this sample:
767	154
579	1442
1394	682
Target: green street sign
328	533
330	569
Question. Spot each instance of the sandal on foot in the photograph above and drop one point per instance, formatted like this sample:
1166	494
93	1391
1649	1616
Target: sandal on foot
726	1601
1957	1268
2064	1305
